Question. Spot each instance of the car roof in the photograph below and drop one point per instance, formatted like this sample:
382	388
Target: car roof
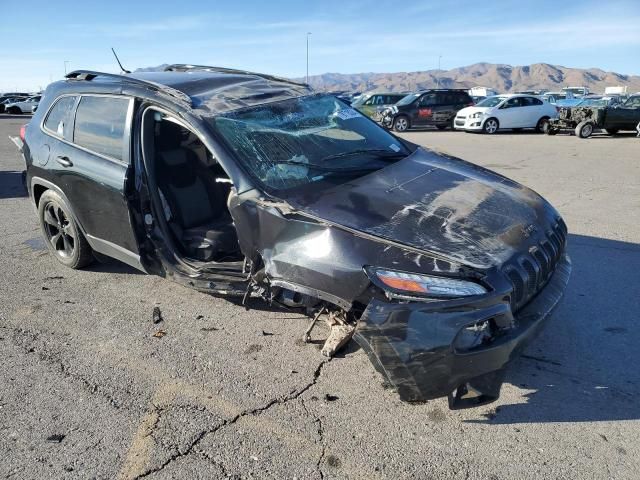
208	90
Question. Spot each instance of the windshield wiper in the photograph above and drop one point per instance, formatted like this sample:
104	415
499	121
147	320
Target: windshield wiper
322	168
380	153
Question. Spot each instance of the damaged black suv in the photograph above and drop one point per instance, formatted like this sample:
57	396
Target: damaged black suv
238	183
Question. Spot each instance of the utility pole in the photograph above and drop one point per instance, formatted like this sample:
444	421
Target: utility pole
66	62
308	33
438	79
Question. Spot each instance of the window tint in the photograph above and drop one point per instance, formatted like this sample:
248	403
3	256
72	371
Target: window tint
530	101
59	118
512	102
100	123
428	100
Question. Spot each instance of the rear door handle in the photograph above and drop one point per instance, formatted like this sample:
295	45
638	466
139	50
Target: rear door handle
64	161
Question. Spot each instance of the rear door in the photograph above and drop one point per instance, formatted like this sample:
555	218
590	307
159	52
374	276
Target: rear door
93	165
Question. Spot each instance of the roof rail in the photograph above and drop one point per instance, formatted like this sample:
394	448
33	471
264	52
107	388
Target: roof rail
89	75
183	67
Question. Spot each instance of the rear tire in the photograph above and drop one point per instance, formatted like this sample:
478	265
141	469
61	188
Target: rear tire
491	126
543	125
584	129
61	232
401	123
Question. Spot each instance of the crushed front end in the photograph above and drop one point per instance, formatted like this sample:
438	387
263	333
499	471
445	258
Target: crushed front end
569	117
460	348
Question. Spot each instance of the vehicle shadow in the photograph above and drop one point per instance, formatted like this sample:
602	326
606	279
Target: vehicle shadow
11	184
582	367
104	264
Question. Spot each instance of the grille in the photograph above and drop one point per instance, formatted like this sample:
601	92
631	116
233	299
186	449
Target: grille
529	272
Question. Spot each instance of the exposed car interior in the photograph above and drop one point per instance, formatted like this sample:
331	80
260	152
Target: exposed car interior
193	190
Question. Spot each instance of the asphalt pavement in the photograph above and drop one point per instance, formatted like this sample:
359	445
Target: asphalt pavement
89	389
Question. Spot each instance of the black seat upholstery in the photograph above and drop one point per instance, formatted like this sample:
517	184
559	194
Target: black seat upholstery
198	212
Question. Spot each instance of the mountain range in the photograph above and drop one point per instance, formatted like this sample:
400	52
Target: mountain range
501	77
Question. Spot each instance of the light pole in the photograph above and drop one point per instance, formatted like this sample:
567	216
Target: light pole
438	79
66	62
308	33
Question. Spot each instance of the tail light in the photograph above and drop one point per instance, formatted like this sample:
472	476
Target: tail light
23	131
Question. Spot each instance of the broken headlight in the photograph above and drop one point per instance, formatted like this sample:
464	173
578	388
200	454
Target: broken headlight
404	283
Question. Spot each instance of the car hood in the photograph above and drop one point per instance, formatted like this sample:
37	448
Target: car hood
471	110
438	205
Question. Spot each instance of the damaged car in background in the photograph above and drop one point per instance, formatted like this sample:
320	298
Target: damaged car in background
238	183
592	115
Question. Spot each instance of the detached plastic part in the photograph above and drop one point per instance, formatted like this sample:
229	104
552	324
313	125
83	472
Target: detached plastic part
477	392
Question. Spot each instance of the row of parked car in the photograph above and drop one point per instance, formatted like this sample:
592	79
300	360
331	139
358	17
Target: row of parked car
456	109
16	103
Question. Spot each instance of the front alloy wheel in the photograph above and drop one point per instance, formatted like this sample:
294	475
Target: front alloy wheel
490	126
400	124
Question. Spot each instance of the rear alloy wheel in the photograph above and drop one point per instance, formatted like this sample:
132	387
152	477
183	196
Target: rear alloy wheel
490	126
64	239
612	131
400	124
584	129
543	125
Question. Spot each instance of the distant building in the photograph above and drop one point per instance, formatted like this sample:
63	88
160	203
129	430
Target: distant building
620	90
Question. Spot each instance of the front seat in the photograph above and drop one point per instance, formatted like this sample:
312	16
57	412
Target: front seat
197	214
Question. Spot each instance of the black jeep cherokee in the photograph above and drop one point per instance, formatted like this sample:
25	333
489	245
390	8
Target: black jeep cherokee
239	183
428	108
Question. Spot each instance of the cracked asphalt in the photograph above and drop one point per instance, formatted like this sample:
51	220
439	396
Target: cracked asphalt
88	391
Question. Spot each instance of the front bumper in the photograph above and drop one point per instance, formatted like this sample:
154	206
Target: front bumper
468	123
414	344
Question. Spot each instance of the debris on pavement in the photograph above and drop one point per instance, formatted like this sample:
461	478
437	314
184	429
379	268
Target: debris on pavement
159	334
56	438
157	315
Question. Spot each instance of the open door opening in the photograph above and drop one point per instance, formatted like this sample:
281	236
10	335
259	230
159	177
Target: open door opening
192	191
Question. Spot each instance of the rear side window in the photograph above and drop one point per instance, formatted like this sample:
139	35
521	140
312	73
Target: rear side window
100	125
59	119
530	101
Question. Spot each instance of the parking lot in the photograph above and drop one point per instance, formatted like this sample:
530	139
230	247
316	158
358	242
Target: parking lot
90	389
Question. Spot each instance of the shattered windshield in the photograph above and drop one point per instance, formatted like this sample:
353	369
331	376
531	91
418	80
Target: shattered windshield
296	142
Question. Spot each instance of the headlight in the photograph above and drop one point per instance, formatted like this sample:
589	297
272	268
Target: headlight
394	109
423	285
477	115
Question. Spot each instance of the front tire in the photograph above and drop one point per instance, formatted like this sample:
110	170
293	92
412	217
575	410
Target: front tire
491	126
401	124
584	129
61	232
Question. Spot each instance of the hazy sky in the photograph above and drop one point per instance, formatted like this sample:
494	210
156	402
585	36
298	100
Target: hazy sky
347	36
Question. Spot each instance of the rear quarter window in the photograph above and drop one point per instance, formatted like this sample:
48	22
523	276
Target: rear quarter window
100	125
59	118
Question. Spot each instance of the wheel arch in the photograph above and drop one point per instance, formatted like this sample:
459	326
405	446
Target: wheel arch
40	185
